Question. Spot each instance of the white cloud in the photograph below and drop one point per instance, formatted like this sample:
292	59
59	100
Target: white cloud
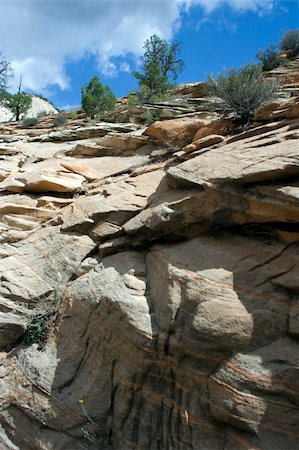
125	67
39	35
68	107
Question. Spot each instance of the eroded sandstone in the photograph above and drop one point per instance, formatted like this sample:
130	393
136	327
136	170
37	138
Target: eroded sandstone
166	285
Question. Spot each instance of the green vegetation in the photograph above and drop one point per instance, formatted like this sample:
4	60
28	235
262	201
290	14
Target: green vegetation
151	117
290	43
133	99
38	328
90	435
33	332
96	98
18	103
242	92
43	113
73	115
59	121
159	63
29	122
269	58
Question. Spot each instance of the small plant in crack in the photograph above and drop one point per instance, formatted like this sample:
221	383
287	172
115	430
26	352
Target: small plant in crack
38	329
94	440
88	432
40	326
33	332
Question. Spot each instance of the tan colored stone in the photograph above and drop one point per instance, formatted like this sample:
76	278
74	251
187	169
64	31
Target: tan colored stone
204	142
257	158
104	229
42	182
81	169
288	111
9	150
279	111
115	144
265	112
221	126
175	132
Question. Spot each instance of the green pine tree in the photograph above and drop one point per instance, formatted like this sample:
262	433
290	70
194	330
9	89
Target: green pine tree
160	66
96	98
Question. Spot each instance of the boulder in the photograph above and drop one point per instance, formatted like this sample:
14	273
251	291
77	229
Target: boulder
221	126
175	132
279	111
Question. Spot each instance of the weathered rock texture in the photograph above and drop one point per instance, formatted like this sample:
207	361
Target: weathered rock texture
166	286
39	106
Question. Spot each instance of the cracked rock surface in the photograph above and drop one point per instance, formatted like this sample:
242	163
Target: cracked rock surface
165	283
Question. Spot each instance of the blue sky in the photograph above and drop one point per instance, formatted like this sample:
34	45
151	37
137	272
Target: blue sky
58	45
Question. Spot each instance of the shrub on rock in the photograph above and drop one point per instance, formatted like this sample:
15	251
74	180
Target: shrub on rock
242	92
59	121
290	43
269	58
29	122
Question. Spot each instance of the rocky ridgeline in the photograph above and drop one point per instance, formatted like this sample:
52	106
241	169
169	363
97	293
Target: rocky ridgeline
161	265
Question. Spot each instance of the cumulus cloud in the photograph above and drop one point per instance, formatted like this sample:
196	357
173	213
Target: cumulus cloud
39	36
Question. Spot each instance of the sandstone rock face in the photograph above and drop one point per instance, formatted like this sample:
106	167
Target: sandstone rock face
154	304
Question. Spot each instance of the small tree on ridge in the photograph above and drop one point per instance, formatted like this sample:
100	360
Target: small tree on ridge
160	63
96	98
18	103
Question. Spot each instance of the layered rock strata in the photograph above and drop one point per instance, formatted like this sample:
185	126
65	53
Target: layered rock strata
165	284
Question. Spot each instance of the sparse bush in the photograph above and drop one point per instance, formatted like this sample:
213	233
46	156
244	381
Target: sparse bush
73	115
59	121
29	122
133	99
269	58
92	437
96	98
242	91
290	43
151	117
39	328
33	332
42	114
